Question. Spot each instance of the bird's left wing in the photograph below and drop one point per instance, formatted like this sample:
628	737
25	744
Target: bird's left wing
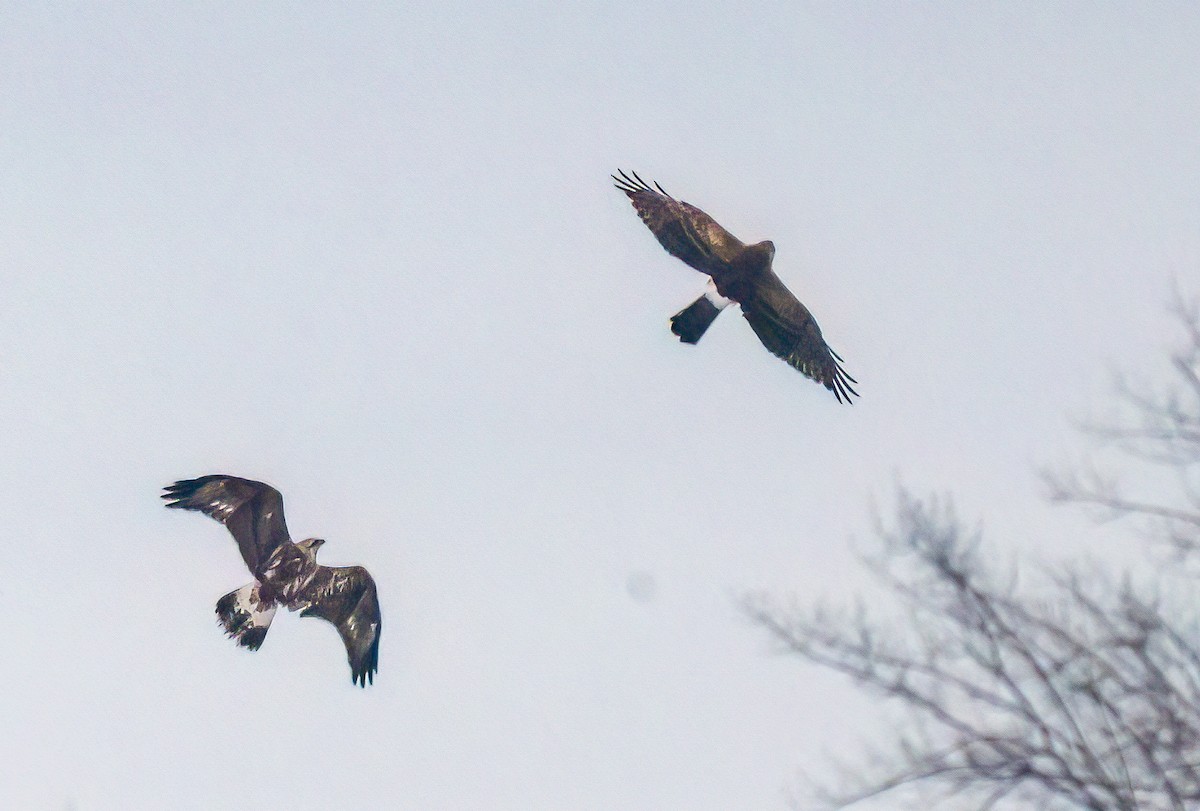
346	597
788	329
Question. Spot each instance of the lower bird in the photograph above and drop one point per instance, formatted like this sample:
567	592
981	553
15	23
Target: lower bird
737	273
285	573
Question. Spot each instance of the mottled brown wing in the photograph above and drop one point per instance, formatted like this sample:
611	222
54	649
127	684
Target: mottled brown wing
346	597
684	230
250	510
787	328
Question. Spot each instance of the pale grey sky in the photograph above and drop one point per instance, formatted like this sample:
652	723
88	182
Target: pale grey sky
371	255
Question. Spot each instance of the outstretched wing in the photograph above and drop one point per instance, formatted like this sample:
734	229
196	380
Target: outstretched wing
345	596
787	328
252	511
684	230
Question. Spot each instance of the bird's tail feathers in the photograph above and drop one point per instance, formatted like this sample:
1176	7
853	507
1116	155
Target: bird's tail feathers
245	616
691	322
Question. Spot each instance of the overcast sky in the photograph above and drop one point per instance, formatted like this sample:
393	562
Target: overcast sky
372	256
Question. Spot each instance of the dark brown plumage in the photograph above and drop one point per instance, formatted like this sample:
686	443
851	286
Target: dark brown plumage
741	273
285	573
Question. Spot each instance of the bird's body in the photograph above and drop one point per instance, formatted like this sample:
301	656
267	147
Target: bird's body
739	273
285	573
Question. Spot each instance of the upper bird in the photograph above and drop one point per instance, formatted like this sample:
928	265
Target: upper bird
741	273
285	573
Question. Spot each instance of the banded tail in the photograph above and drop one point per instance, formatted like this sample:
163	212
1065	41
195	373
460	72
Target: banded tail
691	322
245	617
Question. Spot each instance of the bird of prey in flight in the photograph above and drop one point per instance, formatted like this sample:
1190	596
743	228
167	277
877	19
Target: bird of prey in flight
285	573
737	273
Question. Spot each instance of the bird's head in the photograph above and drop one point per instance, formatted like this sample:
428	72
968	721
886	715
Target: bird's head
309	546
768	246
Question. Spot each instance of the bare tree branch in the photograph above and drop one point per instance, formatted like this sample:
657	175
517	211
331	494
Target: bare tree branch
1083	694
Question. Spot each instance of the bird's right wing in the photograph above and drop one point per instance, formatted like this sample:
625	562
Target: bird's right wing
250	510
684	230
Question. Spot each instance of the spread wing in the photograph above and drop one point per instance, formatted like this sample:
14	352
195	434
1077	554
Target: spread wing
787	328
345	596
251	511
684	230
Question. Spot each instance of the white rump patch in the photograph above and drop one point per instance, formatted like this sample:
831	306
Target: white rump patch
247	602
715	298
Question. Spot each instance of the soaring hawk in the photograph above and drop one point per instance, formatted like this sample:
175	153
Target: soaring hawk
285	573
741	273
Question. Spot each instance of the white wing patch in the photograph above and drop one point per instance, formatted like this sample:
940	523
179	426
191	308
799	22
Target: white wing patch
222	509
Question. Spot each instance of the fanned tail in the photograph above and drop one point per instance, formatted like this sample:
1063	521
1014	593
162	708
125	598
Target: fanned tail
245	616
691	322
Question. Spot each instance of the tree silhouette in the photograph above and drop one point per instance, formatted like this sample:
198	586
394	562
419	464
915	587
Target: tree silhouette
1083	693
